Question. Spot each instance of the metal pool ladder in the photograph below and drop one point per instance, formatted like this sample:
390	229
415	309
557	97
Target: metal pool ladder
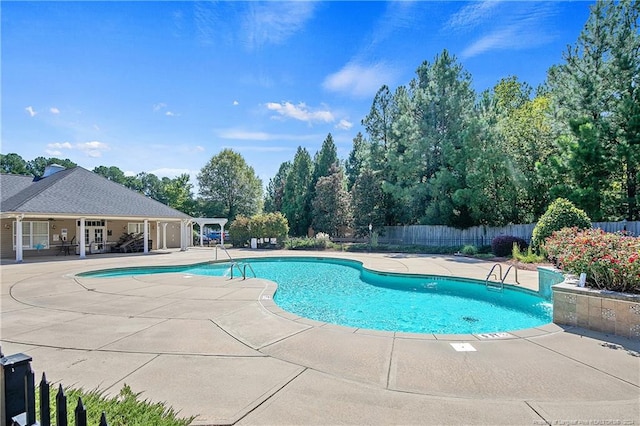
242	267
499	286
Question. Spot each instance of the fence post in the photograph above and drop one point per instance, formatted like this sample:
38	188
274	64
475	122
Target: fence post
45	402
18	390
81	414
61	407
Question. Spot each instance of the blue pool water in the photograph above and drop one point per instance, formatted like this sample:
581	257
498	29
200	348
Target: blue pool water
343	292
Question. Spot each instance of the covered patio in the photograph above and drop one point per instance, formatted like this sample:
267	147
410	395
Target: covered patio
75	211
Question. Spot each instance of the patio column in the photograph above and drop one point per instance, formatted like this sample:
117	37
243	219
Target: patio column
81	240
145	236
222	234
19	239
201	233
164	236
183	235
157	234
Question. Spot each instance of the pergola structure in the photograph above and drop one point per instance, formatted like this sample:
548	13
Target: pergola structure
202	221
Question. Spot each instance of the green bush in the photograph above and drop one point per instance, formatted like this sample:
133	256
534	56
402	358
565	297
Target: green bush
610	261
240	231
560	214
469	250
269	225
529	257
305	243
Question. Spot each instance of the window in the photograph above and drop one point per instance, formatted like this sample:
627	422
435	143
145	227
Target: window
135	228
35	235
92	223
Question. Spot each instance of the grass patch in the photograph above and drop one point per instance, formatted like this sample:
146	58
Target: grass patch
529	257
125	409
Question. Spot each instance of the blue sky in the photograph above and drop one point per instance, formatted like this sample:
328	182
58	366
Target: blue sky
161	87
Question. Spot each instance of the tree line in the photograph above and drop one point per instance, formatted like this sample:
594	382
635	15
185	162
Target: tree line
436	152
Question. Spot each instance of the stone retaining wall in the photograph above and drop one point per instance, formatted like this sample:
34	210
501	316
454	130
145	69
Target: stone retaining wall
598	310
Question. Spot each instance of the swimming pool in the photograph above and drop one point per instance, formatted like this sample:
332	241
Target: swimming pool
343	292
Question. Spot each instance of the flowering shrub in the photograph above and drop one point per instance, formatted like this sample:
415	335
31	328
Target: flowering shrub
611	261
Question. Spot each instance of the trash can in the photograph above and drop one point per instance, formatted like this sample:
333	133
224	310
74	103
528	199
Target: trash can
254	243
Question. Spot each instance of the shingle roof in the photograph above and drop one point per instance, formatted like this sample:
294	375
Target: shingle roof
78	192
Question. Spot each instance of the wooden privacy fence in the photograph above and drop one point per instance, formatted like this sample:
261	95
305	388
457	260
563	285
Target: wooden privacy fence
444	236
19	397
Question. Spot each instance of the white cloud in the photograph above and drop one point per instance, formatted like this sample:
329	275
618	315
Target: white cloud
240	134
274	22
169	172
344	124
170	114
300	112
199	148
472	15
157	107
31	111
359	81
259	148
514	37
54	110
93	149
236	103
522	25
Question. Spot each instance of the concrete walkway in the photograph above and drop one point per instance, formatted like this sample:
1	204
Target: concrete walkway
222	351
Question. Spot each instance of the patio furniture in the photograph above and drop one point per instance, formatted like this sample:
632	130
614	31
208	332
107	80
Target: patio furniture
65	247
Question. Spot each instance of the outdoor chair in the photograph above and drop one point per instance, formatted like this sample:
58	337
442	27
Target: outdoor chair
65	247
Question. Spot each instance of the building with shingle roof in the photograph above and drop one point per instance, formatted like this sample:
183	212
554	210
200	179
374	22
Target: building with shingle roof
56	209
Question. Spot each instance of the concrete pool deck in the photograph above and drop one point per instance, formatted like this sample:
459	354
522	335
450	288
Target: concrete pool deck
220	350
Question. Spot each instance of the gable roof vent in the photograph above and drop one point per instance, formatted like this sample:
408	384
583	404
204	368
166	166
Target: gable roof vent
52	168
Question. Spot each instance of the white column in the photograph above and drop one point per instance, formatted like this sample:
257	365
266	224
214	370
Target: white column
157	235
81	241
19	239
183	235
201	233
164	236
145	236
222	234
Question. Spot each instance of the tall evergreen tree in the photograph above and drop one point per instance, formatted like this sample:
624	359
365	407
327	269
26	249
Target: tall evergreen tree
358	161
275	189
445	102
331	206
325	159
595	93
296	200
367	200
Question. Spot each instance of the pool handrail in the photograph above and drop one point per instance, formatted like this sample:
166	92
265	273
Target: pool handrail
515	271
499	287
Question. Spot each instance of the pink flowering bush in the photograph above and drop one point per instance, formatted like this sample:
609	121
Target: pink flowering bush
611	261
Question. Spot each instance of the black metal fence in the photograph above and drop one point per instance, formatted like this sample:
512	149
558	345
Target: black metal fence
17	381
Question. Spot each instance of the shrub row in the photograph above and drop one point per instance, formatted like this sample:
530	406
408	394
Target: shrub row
266	225
308	244
610	261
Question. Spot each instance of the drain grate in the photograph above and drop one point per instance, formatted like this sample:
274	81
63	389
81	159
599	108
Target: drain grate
470	319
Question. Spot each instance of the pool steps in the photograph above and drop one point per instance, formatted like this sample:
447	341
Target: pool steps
494	285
